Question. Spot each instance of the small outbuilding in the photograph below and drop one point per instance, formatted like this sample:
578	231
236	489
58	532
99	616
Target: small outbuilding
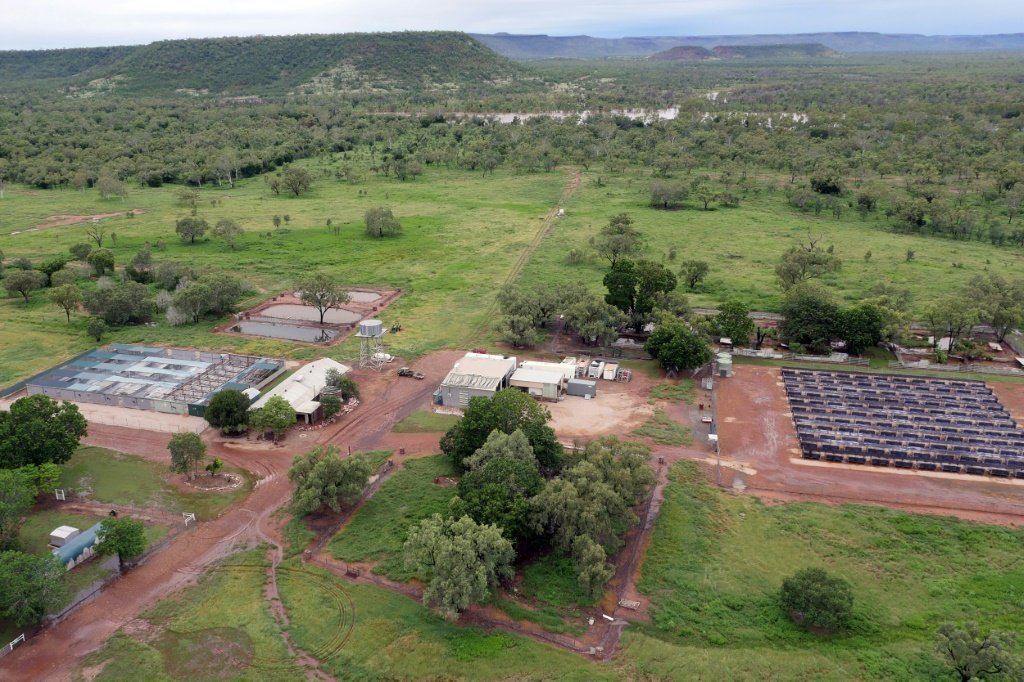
582	388
475	375
60	535
78	548
539	383
303	388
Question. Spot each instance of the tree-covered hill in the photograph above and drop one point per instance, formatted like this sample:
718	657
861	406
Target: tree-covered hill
784	51
267	65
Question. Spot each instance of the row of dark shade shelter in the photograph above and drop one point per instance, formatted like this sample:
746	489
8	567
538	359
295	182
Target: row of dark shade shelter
906	422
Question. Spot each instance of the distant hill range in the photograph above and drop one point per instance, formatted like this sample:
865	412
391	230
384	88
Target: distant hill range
690	53
586	47
265	65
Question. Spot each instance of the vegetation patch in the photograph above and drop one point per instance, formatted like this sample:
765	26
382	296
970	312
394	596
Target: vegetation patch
680	392
548	617
380	527
663	430
552	580
425	422
716	563
210	654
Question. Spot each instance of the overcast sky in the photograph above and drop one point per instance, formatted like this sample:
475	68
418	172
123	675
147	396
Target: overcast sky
76	23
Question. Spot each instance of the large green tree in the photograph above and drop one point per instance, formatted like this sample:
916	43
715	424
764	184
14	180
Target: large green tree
322	292
67	297
677	347
816	599
191	228
861	326
594	320
17	493
30	586
121	536
276	415
1001	301
974	656
805	261
381	222
228	411
188	452
37	430
24	282
811	316
296	180
618	239
321	478
509	410
733	322
460	560
635	287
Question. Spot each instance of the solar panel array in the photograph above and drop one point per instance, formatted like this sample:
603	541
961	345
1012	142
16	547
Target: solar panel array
922	423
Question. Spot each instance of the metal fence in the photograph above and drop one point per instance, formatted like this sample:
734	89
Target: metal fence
971	368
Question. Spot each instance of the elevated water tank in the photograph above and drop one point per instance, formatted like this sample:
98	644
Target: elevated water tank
371	328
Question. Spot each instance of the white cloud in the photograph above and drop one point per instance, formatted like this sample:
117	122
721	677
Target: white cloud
57	23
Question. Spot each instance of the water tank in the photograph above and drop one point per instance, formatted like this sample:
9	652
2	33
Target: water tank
723	362
371	328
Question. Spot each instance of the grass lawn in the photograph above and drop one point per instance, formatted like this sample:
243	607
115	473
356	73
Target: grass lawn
379	529
222	624
551	579
461	234
716	562
126	479
681	391
548	617
663	430
395	638
425	422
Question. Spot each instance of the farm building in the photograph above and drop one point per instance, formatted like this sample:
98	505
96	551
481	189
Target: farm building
78	548
475	375
171	380
303	388
539	383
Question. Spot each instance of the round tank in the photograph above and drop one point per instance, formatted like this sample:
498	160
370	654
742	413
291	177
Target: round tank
371	328
723	362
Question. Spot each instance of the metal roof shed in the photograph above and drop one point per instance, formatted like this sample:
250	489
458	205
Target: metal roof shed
538	382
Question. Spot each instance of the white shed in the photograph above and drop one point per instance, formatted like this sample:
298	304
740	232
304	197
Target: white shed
61	534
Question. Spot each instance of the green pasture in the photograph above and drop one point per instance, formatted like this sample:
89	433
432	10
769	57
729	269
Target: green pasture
129	480
378	530
425	422
716	562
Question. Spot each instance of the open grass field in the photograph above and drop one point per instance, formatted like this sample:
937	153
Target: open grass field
462	232
125	479
716	562
664	430
744	244
378	530
425	422
220	629
394	637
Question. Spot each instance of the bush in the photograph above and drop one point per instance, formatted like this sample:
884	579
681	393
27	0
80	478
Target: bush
815	599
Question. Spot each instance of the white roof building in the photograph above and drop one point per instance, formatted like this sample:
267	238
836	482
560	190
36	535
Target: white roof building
303	387
476	374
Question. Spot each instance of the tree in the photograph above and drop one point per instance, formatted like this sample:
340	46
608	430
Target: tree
827	180
952	317
666	195
594	320
592	568
733	322
216	465
1001	301
126	303
17	493
322	293
81	251
188	452
228	230
52	266
66	297
704	192
343	384
24	282
102	261
813	598
618	239
277	415
95	328
62	278
296	180
635	286
191	227
37	430
331	405
321	478
461	561
380	222
677	347
30	586
976	657
193	300
811	317
861	327
499	444
121	536
510	409
694	272
805	261
228	411
109	186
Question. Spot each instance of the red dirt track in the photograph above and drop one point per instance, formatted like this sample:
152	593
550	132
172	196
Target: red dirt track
756	430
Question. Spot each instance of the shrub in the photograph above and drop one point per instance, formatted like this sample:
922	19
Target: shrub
815	599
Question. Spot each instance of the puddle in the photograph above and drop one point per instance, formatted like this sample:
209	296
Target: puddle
286	331
292	311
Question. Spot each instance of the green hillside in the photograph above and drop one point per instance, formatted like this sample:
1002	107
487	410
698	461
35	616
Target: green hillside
268	65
